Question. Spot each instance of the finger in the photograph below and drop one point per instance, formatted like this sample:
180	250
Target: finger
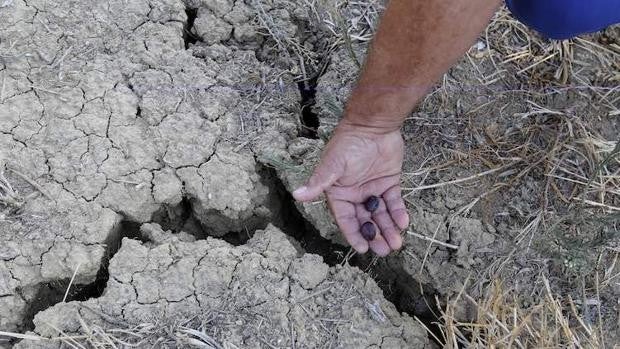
344	214
324	176
388	228
396	207
378	244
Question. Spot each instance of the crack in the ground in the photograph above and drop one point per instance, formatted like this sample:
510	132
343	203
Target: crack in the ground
290	220
309	119
407	294
188	36
396	286
50	293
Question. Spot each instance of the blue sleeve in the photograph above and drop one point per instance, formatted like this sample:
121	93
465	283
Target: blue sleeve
563	19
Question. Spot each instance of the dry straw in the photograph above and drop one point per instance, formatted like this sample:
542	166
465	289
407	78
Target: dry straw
503	319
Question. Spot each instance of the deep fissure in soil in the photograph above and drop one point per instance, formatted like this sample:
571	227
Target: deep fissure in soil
309	119
188	36
291	222
406	293
51	293
403	291
179	218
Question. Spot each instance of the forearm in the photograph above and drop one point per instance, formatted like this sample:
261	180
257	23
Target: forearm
416	43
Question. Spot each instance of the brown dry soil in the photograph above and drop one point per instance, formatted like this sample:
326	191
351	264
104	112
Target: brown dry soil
152	146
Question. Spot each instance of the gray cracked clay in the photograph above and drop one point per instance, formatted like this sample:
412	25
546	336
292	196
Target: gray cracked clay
103	107
263	292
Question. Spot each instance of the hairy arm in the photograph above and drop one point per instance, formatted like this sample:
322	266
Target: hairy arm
417	42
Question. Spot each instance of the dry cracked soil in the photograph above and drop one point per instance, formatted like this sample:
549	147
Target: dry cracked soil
132	135
265	292
149	148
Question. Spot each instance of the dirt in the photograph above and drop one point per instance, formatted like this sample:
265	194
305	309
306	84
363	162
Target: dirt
105	109
443	269
481	233
161	127
264	292
118	115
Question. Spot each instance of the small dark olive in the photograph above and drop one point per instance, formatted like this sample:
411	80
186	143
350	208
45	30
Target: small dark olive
372	204
368	231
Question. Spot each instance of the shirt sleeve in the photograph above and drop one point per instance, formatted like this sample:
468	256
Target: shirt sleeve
563	19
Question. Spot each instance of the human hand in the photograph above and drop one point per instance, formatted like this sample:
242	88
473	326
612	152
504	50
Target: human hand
359	162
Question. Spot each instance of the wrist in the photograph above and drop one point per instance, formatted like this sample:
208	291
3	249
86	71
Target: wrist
355	124
381	110
374	125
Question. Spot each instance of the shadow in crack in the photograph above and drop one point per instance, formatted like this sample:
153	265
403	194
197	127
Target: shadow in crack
189	37
309	119
292	222
48	294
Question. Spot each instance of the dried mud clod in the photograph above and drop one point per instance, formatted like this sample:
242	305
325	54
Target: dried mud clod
121	113
161	119
260	294
116	115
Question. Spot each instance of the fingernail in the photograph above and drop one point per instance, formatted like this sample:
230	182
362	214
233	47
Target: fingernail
300	191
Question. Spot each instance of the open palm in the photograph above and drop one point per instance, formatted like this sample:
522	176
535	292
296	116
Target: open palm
358	163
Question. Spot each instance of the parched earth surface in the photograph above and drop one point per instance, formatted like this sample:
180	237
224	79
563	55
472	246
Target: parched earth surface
109	114
137	134
264	293
116	114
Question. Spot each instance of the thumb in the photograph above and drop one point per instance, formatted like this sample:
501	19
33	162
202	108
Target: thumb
324	176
